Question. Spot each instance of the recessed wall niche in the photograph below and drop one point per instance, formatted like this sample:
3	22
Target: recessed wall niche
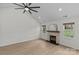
44	28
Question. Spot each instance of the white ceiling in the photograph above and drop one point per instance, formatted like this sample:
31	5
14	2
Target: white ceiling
49	11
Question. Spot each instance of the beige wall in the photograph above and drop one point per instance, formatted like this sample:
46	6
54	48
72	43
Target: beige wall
17	27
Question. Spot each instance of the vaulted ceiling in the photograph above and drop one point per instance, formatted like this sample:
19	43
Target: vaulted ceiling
52	11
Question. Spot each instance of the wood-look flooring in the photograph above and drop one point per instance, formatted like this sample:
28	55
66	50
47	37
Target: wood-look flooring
37	47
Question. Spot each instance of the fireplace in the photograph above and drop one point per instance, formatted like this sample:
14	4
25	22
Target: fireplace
53	37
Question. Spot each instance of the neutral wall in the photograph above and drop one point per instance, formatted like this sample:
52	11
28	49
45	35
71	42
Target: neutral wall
70	42
17	27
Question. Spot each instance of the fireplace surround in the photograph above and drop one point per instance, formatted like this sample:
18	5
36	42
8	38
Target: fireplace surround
53	37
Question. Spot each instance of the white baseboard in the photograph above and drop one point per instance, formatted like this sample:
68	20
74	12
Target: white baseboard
6	43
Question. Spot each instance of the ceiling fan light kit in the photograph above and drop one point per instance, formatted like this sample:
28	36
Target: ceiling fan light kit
27	7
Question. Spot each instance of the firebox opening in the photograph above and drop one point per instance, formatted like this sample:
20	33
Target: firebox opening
53	39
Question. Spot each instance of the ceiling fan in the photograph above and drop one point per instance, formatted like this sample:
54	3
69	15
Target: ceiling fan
27	7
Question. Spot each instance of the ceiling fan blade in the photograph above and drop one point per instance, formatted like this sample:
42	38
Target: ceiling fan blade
24	11
19	8
18	4
30	4
35	7
26	4
23	4
33	10
30	12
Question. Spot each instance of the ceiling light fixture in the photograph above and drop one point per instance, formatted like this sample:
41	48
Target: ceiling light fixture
60	9
26	9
